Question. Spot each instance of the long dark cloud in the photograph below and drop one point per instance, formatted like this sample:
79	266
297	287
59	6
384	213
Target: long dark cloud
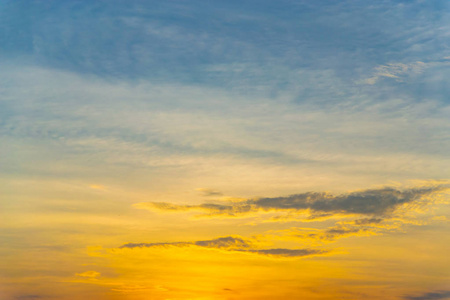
23	297
228	242
287	252
431	296
375	202
231	243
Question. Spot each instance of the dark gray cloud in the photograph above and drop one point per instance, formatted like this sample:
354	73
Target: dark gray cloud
231	243
376	202
431	296
368	221
350	228
334	233
281	252
228	242
150	245
209	192
224	242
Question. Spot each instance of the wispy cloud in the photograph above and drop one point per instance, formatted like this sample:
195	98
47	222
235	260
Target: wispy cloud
396	71
217	131
248	46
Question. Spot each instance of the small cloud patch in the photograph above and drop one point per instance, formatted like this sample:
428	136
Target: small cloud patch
395	71
209	192
88	274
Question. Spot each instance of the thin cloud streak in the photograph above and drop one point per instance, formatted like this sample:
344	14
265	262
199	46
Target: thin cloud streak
24	297
228	242
281	252
231	243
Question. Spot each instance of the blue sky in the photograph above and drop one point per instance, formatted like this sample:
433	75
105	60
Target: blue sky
323	84
263	41
287	83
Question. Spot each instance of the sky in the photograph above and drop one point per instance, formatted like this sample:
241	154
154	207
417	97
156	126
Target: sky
222	149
